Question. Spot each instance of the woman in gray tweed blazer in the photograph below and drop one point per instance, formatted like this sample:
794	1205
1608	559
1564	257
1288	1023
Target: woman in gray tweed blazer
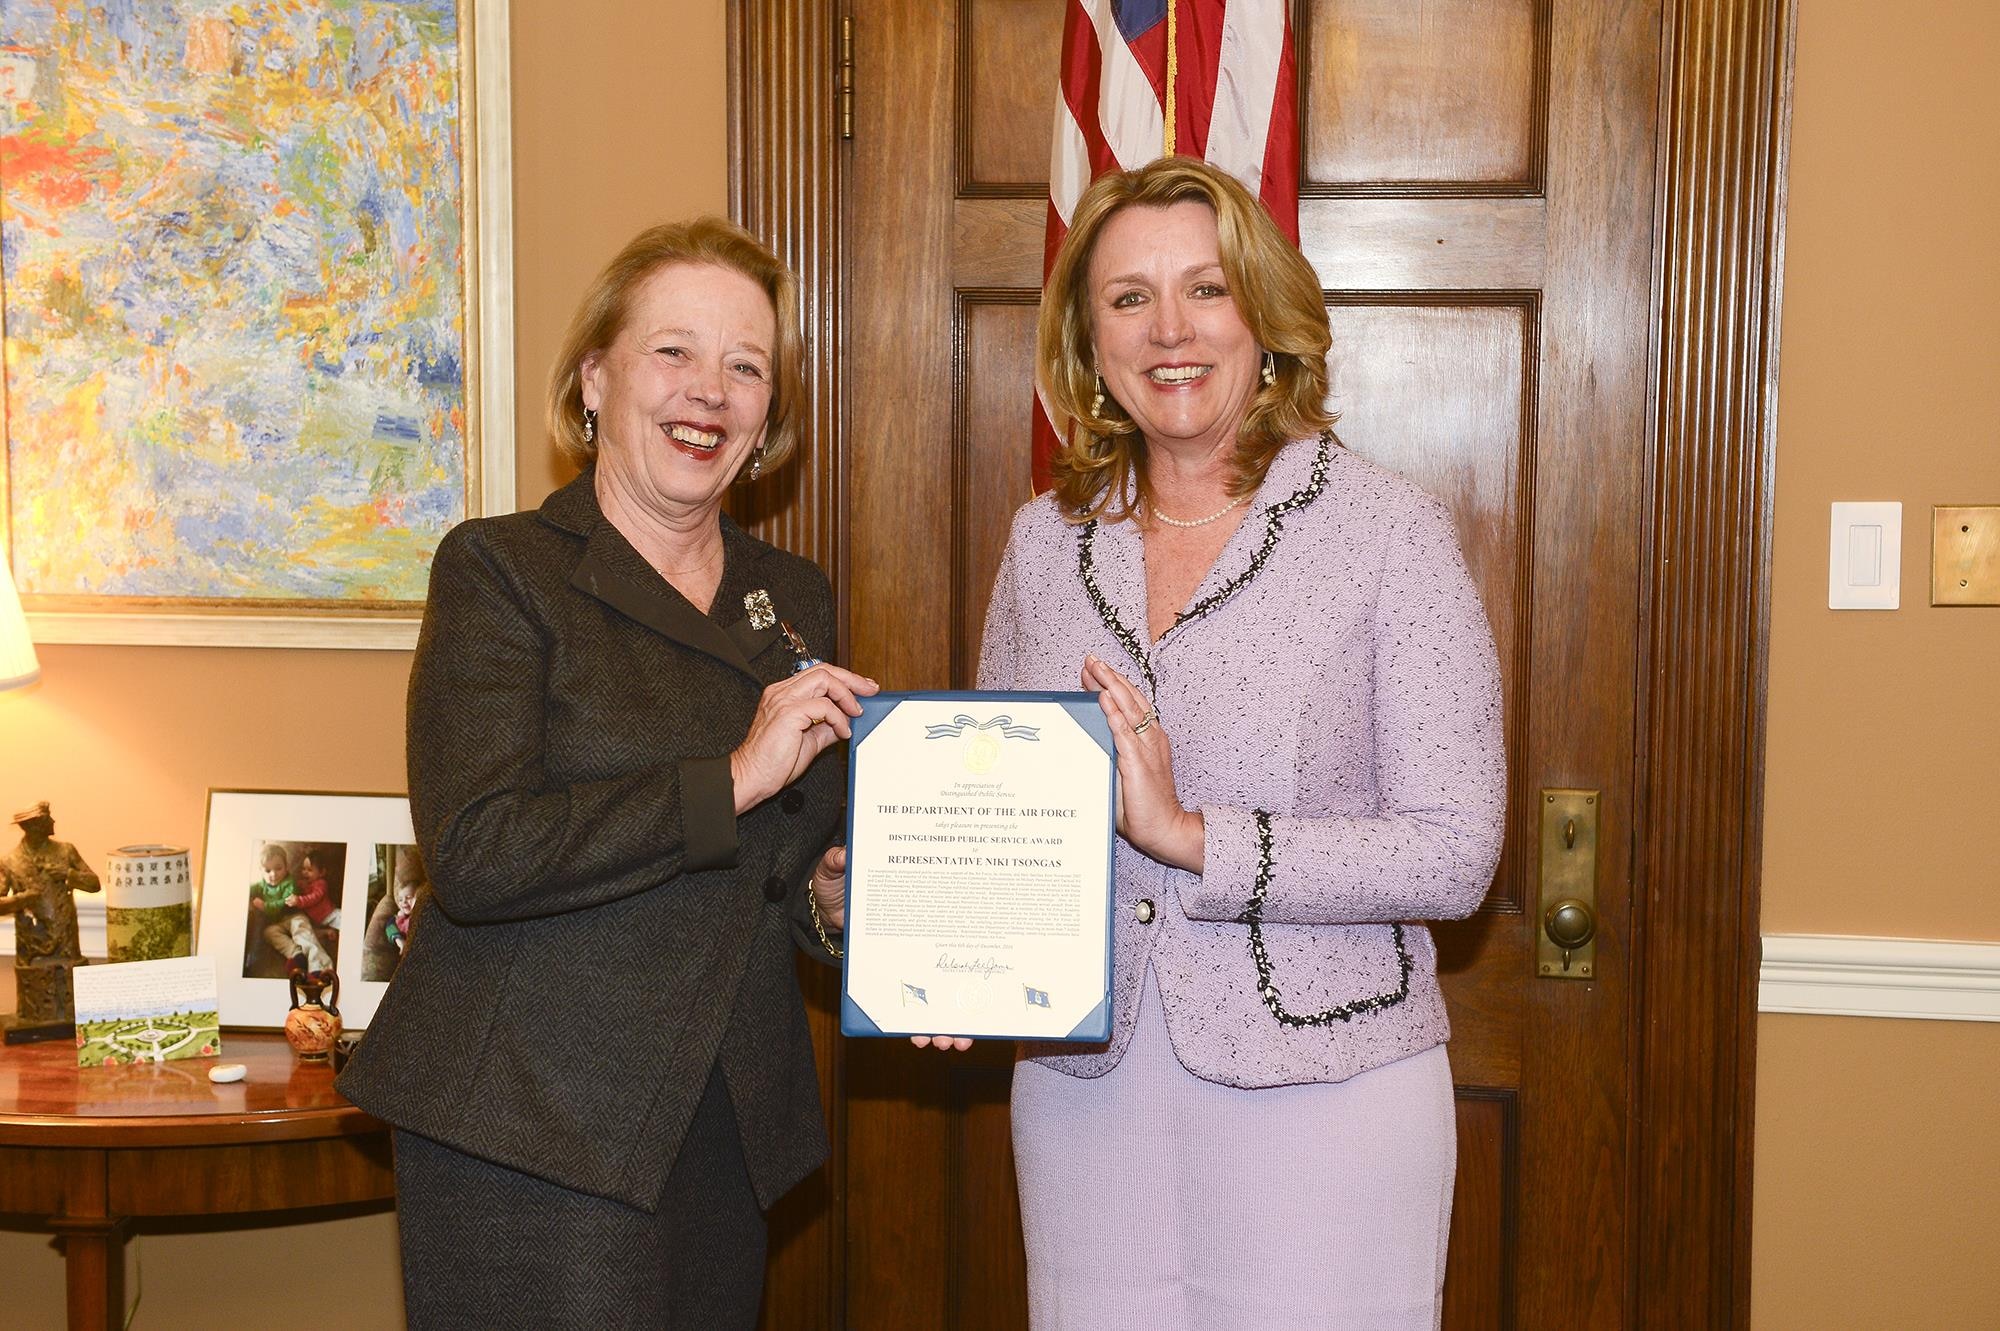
622	777
1305	696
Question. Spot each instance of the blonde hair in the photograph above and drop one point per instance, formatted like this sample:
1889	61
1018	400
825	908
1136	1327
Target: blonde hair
608	303
1276	293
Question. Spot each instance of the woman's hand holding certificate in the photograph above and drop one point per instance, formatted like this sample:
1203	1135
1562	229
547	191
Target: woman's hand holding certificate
1150	815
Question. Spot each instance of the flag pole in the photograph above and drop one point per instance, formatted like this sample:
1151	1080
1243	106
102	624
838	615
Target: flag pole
1173	74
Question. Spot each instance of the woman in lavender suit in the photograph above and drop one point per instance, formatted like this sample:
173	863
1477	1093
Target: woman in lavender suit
1306	701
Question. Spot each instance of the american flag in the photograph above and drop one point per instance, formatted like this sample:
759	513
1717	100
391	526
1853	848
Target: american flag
1145	78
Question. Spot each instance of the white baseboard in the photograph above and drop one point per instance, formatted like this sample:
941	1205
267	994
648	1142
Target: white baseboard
89	926
1816	974
1837	975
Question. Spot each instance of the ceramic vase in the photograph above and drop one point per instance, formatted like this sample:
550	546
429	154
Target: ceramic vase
313	1024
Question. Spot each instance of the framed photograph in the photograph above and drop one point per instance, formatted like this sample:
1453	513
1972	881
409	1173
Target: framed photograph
256	281
303	884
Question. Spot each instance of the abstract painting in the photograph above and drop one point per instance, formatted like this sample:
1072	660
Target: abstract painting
234	238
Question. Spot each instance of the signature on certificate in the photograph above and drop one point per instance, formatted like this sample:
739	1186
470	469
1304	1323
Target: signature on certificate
984	967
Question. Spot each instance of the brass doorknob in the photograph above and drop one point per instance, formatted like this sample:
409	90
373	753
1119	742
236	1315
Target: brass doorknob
1570	924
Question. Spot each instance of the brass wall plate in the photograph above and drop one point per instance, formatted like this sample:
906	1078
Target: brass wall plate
1568	879
1965	555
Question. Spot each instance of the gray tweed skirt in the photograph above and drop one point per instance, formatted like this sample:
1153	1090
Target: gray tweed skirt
489	1249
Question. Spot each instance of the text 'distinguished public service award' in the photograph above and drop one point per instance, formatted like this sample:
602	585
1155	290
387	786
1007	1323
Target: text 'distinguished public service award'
980	835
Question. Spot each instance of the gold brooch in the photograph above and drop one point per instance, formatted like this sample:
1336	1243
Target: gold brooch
758	604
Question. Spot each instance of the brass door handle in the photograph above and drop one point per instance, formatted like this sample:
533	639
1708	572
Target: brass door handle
1566	948
1570	923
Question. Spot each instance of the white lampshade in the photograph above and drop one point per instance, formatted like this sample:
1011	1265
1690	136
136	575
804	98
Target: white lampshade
18	665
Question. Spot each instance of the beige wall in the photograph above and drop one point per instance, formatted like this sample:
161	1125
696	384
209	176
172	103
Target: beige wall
619	120
1877	1160
1876	1174
1875	1153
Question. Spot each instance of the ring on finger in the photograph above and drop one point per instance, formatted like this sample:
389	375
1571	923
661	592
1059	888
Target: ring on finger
1152	715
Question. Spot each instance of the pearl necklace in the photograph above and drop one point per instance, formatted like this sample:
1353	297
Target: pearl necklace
1224	511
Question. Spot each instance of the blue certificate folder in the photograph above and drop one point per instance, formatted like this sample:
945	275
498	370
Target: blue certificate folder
976	715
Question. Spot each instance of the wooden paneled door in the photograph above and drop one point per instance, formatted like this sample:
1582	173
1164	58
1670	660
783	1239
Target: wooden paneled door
1544	231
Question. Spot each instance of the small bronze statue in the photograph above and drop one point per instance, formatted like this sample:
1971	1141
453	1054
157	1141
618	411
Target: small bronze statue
39	880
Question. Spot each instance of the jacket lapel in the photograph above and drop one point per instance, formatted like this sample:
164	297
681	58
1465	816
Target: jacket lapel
1112	556
1295	478
613	572
742	573
604	573
1120	559
751	642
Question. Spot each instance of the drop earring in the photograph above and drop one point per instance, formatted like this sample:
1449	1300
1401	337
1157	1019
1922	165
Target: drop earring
1270	370
589	426
756	461
1097	401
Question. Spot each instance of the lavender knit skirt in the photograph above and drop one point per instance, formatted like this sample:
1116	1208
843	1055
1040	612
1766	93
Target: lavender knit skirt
1152	1199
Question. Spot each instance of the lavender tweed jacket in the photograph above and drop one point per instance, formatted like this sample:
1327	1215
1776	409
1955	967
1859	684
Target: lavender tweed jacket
1333	699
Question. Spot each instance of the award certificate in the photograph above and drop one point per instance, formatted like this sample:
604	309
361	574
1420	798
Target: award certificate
979	843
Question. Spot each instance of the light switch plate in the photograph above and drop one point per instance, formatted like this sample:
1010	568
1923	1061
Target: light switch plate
1864	561
1965	555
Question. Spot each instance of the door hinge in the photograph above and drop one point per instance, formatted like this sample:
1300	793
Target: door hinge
847	76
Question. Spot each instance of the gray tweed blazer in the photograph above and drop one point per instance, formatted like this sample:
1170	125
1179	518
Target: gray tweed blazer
602	931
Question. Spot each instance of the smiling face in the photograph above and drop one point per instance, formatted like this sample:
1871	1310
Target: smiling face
1170	345
683	391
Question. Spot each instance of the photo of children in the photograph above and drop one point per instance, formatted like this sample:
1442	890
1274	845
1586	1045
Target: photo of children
395	883
293	925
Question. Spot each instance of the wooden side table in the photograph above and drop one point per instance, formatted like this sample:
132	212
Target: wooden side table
86	1150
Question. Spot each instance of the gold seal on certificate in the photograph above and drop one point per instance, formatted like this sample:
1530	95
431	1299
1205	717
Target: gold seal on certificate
980	834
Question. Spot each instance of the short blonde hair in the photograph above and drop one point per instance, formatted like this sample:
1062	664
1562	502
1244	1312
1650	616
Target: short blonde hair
1276	291
608	303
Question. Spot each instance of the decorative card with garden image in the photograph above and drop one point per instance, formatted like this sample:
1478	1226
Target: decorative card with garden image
146	1012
